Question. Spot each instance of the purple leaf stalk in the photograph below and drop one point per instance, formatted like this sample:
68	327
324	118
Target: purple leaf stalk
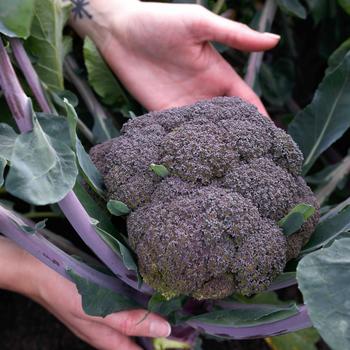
37	245
74	211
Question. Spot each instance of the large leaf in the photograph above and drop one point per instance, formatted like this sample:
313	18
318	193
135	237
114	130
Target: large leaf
118	248
327	117
276	81
99	301
318	8
88	168
327	230
345	4
94	209
46	41
338	55
7	141
161	305
304	339
100	77
55	126
43	170
292	7
3	163
324	280
16	17
247	316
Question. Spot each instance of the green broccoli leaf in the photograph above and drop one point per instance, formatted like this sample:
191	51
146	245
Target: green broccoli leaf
243	316
100	301
292	7
338	55
87	167
42	170
55	126
326	119
324	278
16	17
7	141
117	208
159	170
328	230
100	76
160	304
345	4
304	339
46	41
293	221
118	248
3	163
32	230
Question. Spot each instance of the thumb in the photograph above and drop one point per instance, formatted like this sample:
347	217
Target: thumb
212	27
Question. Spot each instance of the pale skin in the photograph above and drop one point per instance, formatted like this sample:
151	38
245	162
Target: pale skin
162	54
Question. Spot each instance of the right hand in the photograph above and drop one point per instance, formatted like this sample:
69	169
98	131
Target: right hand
60	296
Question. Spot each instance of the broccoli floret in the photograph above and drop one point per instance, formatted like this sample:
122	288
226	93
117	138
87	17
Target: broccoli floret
210	228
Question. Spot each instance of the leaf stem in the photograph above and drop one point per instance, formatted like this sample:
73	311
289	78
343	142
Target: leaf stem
255	58
58	260
41	214
17	101
29	74
34	82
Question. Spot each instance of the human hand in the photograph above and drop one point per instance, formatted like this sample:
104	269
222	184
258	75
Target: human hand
162	52
60	297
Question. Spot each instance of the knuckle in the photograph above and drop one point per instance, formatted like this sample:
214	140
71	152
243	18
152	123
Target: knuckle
127	325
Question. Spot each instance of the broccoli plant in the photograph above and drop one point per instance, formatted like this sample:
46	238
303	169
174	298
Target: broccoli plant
215	205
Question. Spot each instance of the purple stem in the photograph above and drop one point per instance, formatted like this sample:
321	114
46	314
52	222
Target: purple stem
291	324
81	221
29	73
19	105
16	98
37	245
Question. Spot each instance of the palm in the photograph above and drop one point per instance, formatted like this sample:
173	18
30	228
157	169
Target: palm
164	58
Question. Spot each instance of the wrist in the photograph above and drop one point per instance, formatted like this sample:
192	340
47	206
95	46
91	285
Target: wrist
19	271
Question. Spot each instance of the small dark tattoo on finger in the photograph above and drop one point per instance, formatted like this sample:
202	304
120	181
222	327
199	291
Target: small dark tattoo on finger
79	9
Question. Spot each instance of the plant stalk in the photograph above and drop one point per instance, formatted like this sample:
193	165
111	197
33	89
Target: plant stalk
29	73
255	58
17	100
37	245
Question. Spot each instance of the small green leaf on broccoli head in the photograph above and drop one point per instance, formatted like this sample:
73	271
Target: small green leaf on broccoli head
293	221
117	208
159	170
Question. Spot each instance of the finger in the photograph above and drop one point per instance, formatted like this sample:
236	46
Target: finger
238	87
138	323
103	337
212	27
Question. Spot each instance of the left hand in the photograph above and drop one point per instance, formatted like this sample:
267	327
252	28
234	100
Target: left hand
162	52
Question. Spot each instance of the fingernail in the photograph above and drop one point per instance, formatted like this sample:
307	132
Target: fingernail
272	35
159	329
